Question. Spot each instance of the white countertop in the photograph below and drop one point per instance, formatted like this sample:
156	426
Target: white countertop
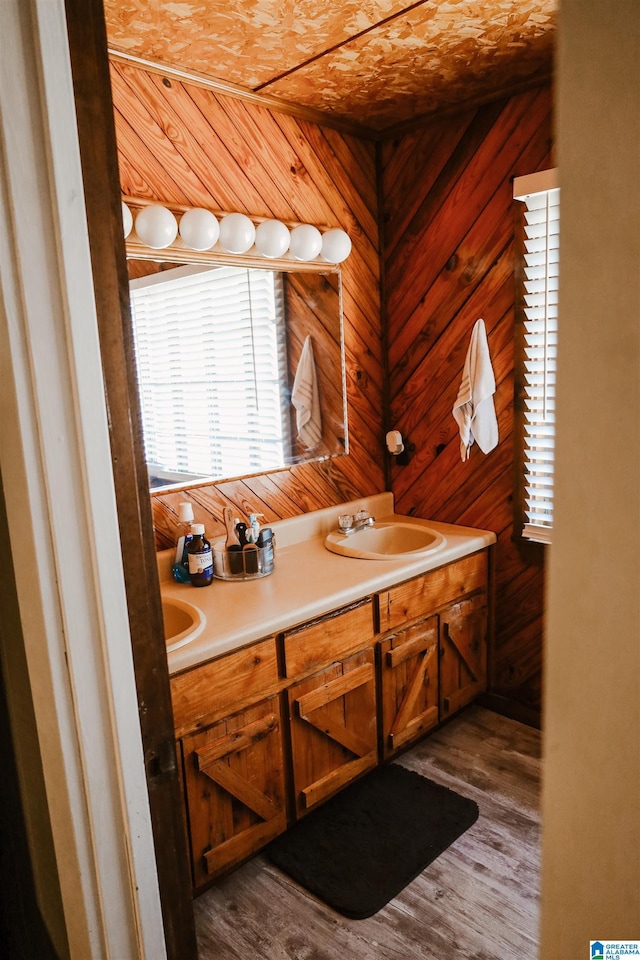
307	582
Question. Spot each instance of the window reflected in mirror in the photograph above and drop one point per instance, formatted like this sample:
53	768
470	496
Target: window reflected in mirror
240	369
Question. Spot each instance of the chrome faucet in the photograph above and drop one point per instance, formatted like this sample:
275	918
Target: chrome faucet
351	523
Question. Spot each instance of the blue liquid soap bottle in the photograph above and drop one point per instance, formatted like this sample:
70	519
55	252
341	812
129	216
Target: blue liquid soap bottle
180	566
200	557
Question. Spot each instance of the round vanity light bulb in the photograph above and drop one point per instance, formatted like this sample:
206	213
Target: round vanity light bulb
156	226
336	246
127	219
306	242
199	229
237	233
272	238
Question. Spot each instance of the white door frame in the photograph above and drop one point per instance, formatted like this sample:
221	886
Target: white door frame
56	472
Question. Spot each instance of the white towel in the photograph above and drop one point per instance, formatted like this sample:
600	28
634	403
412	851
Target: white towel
305	399
474	410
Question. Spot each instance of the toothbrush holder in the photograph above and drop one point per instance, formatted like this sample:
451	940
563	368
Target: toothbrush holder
243	564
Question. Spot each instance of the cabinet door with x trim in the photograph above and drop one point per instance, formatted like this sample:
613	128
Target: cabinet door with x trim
409	684
332	717
234	779
463	653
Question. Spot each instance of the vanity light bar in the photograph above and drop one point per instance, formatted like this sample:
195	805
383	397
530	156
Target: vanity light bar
198	229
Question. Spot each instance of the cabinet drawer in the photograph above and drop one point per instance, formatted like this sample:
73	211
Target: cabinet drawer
421	596
328	639
206	693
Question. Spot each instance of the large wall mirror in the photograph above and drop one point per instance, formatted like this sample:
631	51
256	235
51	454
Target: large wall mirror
240	368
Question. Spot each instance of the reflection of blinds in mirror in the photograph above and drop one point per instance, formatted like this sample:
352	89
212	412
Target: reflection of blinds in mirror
541	269
210	350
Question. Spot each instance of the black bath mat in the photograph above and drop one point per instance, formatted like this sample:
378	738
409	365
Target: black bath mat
364	845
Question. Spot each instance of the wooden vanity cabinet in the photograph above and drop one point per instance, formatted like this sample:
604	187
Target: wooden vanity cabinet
431	666
331	711
268	732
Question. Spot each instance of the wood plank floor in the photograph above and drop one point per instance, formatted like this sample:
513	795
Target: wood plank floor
477	901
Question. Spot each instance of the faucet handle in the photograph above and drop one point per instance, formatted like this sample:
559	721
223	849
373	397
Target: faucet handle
345	521
361	515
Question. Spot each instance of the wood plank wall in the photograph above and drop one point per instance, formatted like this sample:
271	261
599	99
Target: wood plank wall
448	253
183	144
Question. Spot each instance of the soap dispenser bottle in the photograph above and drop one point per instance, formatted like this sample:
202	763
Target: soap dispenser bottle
180	566
200	557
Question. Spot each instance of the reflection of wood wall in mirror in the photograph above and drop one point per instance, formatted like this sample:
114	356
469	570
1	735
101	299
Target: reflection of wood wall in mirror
312	305
146	268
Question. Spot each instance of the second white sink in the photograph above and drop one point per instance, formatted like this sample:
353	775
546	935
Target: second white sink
182	622
386	540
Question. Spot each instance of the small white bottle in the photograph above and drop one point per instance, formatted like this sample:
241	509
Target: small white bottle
253	530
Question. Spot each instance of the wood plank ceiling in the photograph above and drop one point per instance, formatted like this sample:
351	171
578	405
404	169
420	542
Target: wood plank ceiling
372	63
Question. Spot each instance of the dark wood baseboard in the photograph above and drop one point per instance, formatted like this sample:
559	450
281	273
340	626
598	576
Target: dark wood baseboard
511	708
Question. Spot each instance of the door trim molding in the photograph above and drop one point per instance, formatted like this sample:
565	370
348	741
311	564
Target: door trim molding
63	529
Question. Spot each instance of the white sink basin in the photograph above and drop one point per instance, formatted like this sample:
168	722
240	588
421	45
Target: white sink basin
182	622
386	540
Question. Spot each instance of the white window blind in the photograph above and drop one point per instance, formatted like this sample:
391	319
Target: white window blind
210	351
541	198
